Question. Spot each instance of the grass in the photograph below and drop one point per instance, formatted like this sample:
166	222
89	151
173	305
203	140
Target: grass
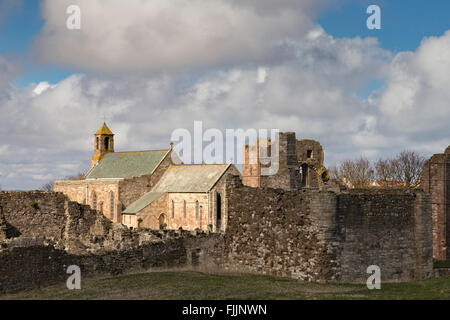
190	285
442	264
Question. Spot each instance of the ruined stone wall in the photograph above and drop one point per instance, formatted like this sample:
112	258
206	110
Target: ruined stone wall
270	231
388	228
309	234
34	213
251	168
300	163
29	263
45	233
287	177
321	235
435	181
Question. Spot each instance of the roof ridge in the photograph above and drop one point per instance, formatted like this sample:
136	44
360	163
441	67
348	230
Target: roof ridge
162	150
197	164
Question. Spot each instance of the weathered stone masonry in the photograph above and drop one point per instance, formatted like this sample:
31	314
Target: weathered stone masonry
309	235
435	180
41	234
322	235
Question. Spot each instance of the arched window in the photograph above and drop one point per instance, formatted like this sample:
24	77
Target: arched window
94	201
107	143
197	209
97	144
173	209
184	208
112	206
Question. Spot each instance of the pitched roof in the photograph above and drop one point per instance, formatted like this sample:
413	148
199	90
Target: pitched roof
127	164
142	202
190	178
104	130
181	178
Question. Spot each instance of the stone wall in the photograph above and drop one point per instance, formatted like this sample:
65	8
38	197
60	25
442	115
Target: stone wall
388	228
310	234
41	234
300	163
29	263
188	210
35	213
321	235
435	180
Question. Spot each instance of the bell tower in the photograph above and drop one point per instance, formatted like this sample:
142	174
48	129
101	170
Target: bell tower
103	144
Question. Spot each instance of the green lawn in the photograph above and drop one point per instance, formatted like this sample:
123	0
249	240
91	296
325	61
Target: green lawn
179	285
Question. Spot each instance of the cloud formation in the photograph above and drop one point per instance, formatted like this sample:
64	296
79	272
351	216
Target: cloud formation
135	35
263	73
311	93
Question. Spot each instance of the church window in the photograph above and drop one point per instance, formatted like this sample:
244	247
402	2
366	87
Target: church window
94	201
197	209
107	143
112	206
173	209
97	143
184	208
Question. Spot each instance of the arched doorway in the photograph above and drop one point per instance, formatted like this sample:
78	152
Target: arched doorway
219	212
162	221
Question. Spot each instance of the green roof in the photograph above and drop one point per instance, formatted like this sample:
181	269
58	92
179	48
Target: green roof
127	164
181	178
143	202
190	178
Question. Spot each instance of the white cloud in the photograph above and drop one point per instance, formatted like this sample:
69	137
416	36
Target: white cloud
42	87
309	86
311	94
417	99
136	35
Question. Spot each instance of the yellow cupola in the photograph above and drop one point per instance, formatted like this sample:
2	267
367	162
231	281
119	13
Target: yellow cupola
103	144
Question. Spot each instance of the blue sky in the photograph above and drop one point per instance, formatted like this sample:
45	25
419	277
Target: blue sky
404	23
151	67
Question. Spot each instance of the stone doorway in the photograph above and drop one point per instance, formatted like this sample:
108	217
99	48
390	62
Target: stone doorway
162	221
219	212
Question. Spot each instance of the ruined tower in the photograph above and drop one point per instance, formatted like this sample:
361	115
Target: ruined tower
298	163
103	144
435	180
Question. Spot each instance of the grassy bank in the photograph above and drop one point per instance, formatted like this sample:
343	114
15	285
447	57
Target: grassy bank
195	285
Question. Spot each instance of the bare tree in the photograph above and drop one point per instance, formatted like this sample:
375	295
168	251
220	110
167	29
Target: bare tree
334	173
48	187
408	167
385	171
80	176
355	173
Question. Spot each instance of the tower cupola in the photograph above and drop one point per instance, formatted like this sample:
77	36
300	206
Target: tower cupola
103	144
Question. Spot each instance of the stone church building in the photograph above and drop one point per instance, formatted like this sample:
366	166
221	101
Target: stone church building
151	189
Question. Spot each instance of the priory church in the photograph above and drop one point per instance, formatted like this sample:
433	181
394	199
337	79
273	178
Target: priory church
151	189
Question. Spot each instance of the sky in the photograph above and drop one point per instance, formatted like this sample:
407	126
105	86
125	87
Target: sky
148	68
